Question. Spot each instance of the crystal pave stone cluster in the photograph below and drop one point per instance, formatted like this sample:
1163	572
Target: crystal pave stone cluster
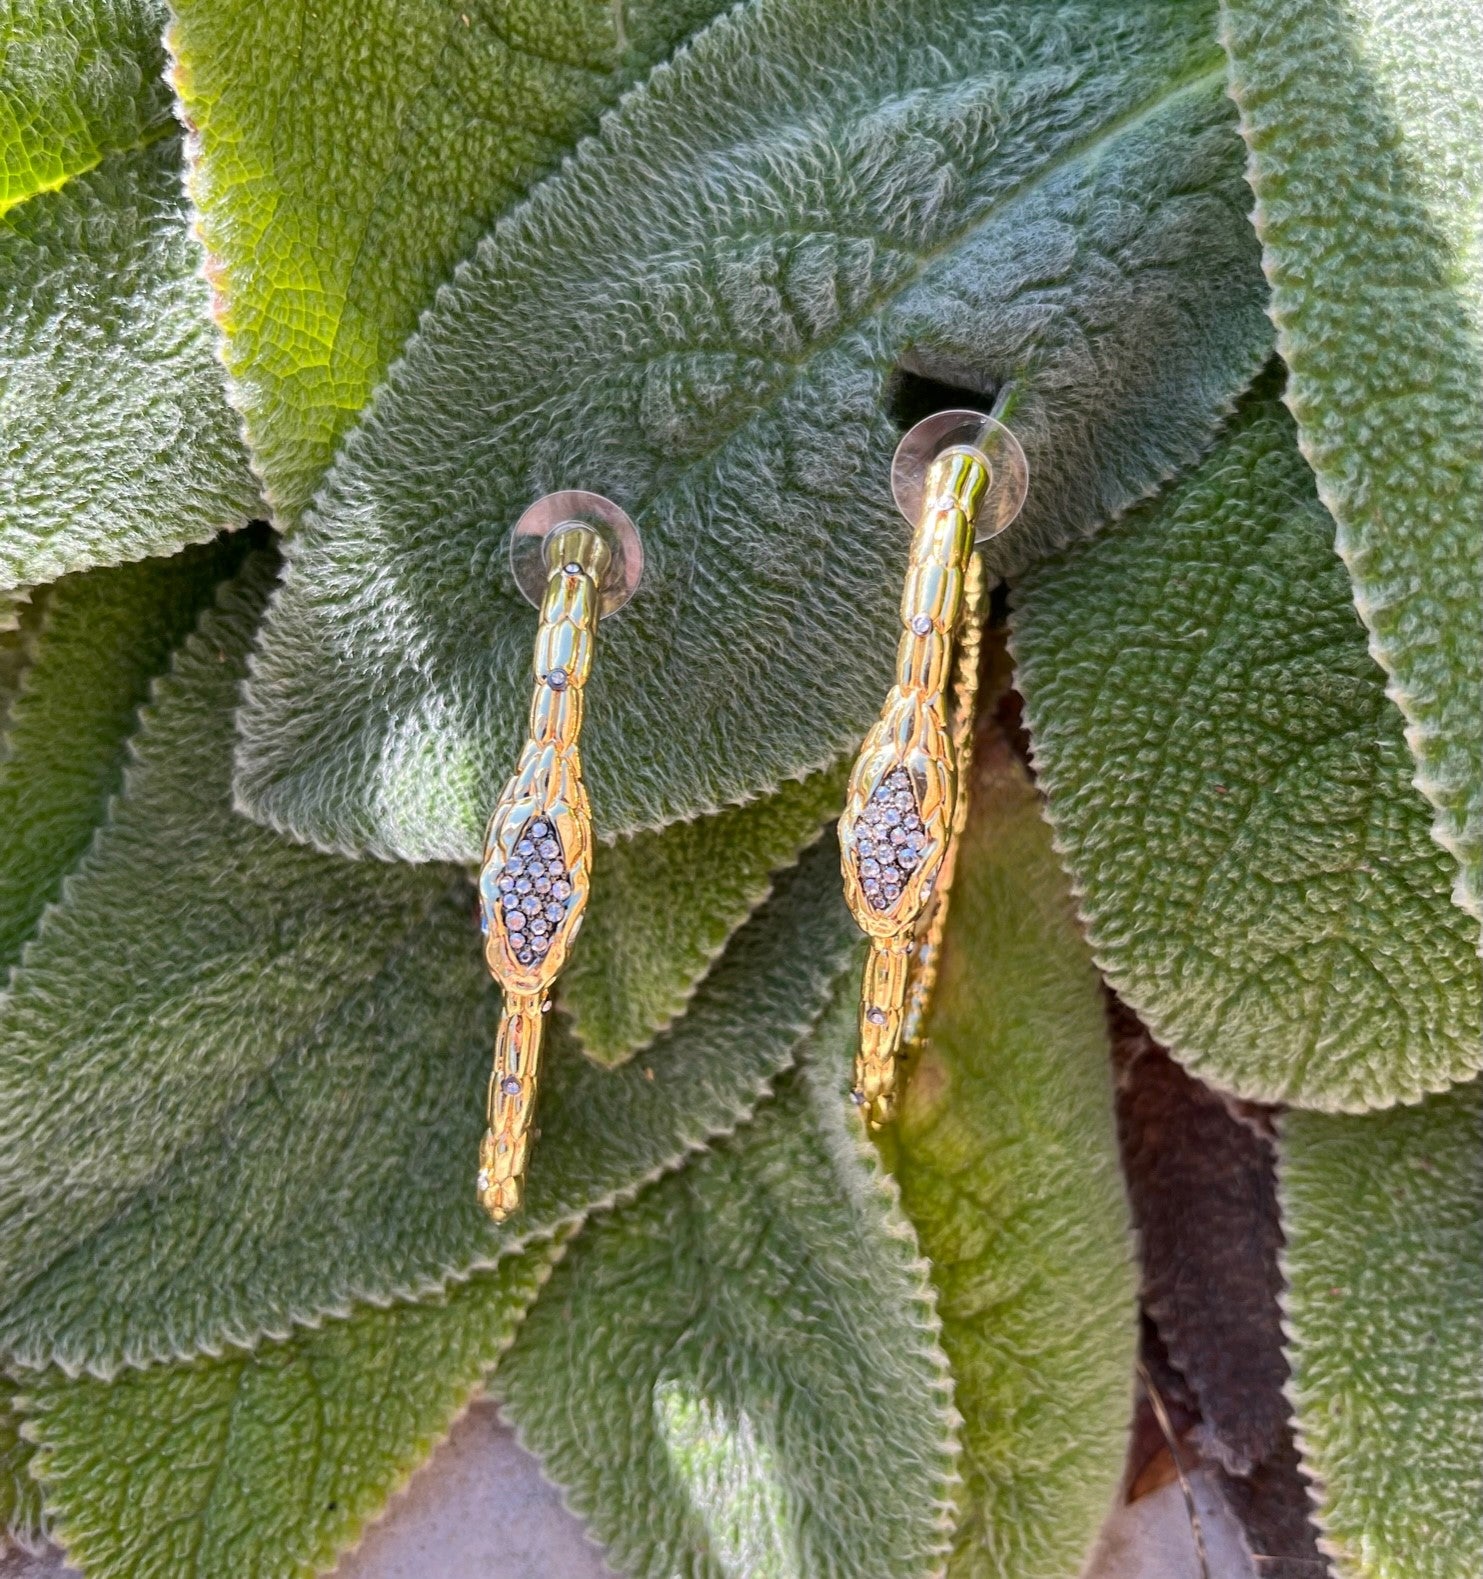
889	840
532	890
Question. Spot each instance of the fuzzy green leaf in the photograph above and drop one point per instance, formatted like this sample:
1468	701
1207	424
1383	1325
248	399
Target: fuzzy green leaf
1231	793
21	1515
351	151
117	441
739	1374
1384	1223
1007	1155
97	643
1365	125
78	79
242	1083
702	315
664	906
270	1461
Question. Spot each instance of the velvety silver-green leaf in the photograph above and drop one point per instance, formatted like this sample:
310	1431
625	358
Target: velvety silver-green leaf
738	1374
116	441
1365	124
351	151
242	1083
1383	1217
664	906
21	1516
97	642
78	79
1006	1150
702	315
268	1462
1231	793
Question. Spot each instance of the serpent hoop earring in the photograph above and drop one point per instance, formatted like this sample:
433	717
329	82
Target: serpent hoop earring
960	478
577	557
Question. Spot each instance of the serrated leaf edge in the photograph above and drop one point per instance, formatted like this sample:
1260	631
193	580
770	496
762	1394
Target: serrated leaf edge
682	999
1465	895
54	1515
1155	1023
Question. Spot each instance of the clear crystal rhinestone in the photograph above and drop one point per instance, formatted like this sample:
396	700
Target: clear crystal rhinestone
876	1016
555	912
560	889
539	924
522	885
515	921
540	945
506	882
572	568
513	868
525	847
857	1097
525	957
921	624
556	679
530	904
550	848
898	836
870	868
510	1086
484	1180
542	884
539	829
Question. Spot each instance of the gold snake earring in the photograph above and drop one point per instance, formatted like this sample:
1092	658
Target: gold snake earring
960	478
577	557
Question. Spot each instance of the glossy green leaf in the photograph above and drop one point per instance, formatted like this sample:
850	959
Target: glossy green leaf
351	151
1365	124
1006	1151
664	906
97	643
270	1461
21	1516
117	442
242	1083
702	314
1384	1223
1231	793
79	79
739	1373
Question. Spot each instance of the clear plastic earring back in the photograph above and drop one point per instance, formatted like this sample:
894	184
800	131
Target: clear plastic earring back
980	435
577	507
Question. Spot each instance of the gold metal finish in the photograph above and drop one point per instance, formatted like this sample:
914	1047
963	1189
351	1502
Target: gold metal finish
907	794
536	873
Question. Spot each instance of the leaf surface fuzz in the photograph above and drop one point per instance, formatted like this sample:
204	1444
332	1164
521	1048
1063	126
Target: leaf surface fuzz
704	315
78	79
738	1374
270	1461
351	151
118	442
1364	120
1384	1310
1006	1151
665	904
98	642
265	1067
1231	793
22	1518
